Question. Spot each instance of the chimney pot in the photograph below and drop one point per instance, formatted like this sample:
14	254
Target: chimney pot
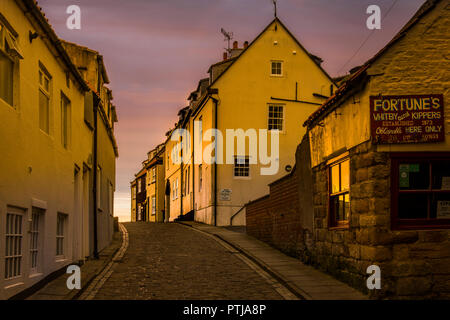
225	56
235	45
245	44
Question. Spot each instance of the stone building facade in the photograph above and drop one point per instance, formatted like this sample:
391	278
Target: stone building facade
366	208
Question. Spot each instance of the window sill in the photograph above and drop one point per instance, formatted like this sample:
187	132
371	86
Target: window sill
35	275
60	259
242	178
339	227
12	286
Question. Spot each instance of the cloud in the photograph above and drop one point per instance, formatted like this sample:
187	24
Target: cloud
156	51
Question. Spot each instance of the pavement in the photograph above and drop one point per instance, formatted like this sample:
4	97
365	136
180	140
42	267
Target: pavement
57	289
302	280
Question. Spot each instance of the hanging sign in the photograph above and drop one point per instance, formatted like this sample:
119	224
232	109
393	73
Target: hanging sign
407	119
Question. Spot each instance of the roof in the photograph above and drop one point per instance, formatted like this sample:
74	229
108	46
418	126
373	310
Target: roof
361	73
36	12
100	58
276	20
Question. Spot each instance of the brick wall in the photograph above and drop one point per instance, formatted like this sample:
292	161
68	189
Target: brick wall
278	218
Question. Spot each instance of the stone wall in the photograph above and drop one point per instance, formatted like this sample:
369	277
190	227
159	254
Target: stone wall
414	264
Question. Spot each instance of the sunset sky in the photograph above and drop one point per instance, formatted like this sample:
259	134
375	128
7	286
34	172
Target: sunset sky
155	52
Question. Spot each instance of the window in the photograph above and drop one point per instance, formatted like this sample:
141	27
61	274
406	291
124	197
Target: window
44	101
153	205
339	196
276	68
60	233
275	119
200	178
133	192
65	121
9	52
241	166
35	239
13	245
99	186
139	185
186	182
420	190
153	174
188	177
175	189
110	198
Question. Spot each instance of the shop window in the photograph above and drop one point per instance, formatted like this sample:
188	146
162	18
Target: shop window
420	191
339	193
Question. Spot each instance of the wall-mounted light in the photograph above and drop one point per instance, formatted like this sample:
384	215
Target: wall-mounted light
288	168
32	36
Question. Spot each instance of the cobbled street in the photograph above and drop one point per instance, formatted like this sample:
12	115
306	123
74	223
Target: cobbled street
171	261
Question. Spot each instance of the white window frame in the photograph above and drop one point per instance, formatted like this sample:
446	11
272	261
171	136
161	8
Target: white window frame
45	89
200	177
14	243
99	187
36	229
283	116
61	234
272	62
246	165
65	123
11	53
153	174
153	205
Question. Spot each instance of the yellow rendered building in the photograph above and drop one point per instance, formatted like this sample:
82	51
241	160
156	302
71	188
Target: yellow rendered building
271	84
47	166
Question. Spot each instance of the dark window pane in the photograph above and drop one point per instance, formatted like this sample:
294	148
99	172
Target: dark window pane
440	206
335	185
441	175
412	206
414	176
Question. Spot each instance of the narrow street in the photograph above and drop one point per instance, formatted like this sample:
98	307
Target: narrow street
171	261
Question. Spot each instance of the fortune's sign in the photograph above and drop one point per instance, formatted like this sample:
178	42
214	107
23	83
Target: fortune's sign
407	119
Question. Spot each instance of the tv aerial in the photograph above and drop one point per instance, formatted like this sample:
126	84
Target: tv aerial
228	37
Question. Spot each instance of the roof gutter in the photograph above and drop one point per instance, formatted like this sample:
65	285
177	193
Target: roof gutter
32	7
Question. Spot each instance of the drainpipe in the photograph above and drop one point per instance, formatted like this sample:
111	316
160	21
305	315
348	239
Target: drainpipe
95	160
181	178
215	161
94	189
193	168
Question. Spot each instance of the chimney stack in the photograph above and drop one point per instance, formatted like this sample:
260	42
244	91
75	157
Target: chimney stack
235	45
245	44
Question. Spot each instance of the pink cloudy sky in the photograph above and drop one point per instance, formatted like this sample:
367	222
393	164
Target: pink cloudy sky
157	50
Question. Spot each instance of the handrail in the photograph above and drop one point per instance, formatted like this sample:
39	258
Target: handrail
232	217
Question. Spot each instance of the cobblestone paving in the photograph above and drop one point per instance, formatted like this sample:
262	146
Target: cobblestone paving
169	261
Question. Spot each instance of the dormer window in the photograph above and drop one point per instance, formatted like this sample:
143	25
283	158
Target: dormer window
276	68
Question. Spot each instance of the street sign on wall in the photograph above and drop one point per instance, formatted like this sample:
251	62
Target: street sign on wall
407	118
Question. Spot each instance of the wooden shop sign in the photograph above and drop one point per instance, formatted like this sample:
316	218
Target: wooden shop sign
407	118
